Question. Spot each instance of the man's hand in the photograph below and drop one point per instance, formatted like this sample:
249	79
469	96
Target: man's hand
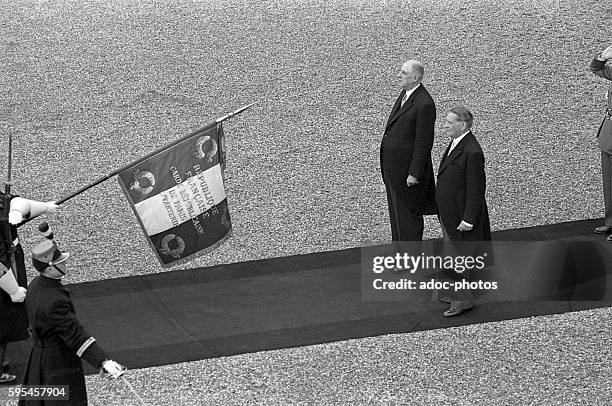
607	53
411	181
19	295
114	369
463	226
8	283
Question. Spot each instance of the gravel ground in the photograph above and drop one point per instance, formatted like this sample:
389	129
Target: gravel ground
548	360
87	86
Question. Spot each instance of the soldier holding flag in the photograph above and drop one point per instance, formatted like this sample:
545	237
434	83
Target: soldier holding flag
13	280
13	211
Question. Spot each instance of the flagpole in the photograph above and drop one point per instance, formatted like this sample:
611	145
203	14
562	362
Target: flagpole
150	154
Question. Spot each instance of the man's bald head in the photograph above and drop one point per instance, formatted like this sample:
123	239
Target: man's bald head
415	67
411	74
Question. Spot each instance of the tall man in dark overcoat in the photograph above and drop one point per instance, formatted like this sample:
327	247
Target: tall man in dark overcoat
460	195
405	156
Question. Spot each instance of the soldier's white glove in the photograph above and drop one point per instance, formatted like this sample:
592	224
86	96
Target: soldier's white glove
15	217
8	283
113	368
29	208
19	295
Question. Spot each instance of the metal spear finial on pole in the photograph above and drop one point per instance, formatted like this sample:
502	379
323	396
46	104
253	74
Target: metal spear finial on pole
10	161
235	112
8	235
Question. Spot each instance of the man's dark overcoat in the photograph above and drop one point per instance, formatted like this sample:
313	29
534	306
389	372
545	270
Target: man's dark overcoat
460	191
406	150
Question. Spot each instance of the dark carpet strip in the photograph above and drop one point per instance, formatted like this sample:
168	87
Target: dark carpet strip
193	314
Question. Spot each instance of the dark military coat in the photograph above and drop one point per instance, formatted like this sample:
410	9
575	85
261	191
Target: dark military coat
604	70
60	341
13	318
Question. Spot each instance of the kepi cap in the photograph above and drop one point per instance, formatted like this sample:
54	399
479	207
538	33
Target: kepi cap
47	253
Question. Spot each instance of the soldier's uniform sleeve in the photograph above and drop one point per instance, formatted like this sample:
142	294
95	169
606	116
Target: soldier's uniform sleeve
601	68
67	327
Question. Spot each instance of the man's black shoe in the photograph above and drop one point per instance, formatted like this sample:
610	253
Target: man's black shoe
456	312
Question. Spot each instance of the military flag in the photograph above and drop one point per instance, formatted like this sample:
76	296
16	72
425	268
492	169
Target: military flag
178	196
177	192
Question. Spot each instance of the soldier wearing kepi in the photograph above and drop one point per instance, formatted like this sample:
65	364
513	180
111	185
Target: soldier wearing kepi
60	341
13	280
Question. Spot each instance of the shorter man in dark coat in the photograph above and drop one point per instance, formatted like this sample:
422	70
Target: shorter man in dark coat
460	195
60	341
